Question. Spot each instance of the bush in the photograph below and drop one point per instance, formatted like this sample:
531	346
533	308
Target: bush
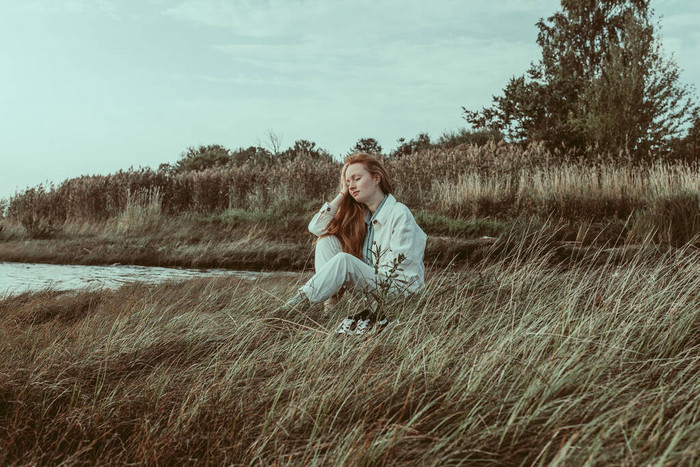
673	219
306	150
202	158
420	142
452	139
213	156
40	211
367	145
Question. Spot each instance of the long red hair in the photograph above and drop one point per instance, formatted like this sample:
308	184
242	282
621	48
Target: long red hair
349	222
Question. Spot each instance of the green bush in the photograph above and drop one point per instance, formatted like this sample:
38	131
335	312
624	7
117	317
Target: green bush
673	220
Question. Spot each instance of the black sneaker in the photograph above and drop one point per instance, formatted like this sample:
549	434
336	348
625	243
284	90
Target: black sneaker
347	326
385	325
363	325
367	321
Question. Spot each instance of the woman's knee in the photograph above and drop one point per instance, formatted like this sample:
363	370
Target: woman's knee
343	257
326	249
329	243
342	260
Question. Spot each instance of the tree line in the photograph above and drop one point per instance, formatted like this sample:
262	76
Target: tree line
204	157
602	85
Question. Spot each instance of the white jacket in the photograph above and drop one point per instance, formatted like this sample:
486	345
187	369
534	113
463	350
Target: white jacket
395	232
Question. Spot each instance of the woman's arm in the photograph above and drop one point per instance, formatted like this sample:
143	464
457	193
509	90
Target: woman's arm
336	201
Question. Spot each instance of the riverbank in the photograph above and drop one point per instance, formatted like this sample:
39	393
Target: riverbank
510	361
263	241
254	216
17	278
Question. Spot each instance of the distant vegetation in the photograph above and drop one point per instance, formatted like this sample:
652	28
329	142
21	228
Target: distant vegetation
599	136
466	181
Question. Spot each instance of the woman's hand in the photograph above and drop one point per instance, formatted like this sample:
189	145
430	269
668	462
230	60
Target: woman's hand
343	184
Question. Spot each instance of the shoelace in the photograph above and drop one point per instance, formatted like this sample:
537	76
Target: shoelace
346	326
362	326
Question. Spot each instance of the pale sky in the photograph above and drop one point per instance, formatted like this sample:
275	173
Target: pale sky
94	86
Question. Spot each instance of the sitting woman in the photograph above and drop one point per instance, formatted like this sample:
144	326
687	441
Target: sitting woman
368	241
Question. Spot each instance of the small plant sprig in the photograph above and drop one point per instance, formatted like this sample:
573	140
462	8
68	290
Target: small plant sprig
387	283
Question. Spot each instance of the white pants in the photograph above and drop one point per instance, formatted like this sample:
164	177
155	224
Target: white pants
335	269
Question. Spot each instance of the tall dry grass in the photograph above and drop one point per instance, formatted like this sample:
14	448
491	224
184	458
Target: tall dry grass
512	362
143	212
571	192
497	181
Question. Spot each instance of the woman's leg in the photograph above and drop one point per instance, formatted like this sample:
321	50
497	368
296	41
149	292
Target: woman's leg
340	269
326	248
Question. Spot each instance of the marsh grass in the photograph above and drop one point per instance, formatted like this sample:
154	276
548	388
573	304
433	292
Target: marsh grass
10	231
143	212
673	220
495	182
458	196
515	361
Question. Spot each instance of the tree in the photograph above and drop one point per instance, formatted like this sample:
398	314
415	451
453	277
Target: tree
602	83
203	157
686	148
273	143
451	139
251	155
307	150
420	142
367	145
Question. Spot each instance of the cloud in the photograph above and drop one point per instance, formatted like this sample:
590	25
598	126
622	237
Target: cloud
109	8
385	48
70	7
353	67
350	19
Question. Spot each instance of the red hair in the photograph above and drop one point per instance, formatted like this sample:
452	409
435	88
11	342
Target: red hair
349	222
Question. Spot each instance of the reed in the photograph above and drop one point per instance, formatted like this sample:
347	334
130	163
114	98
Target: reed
495	181
512	361
143	212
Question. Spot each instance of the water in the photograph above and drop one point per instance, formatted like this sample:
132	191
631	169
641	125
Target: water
22	277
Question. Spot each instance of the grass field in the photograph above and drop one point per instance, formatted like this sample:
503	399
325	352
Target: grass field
569	335
516	360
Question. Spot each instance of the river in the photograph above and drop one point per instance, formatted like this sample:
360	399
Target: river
16	278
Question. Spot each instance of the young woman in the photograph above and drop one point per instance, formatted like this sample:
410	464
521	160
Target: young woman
364	234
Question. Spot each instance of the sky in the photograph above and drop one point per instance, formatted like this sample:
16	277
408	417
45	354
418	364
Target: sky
95	86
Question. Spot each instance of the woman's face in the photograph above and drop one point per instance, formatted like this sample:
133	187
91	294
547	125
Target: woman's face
362	185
